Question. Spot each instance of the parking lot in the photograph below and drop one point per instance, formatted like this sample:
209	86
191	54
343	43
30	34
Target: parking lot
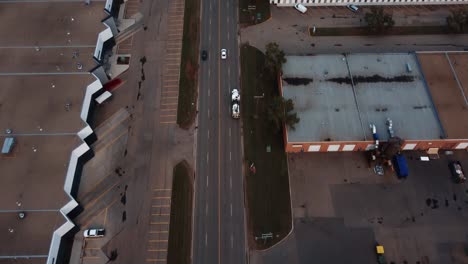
290	29
342	208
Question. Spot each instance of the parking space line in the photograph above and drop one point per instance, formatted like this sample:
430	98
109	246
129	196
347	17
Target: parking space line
160	214
105	217
159	232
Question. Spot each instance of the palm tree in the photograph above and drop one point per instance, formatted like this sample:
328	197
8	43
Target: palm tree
378	21
279	112
274	58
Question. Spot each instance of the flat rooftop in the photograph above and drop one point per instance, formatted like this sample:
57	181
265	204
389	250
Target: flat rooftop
53	23
59	60
36	104
337	97
441	71
42	87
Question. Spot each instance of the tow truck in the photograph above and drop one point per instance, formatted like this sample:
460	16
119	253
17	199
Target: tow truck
235	104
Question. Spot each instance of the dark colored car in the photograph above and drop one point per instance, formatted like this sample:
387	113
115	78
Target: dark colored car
457	172
400	165
204	55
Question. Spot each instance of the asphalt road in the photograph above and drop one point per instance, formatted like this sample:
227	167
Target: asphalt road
219	228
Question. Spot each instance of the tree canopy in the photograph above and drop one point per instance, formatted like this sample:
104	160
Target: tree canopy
280	111
274	58
378	21
458	21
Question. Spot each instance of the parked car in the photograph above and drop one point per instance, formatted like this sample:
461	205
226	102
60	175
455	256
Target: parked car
204	55
400	165
457	172
353	8
301	8
94	232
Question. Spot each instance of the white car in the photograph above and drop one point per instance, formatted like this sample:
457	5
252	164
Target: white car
94	232
353	8
301	8
235	96
235	110
223	54
235	103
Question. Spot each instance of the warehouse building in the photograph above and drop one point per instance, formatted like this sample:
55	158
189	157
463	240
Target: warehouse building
365	2
340	99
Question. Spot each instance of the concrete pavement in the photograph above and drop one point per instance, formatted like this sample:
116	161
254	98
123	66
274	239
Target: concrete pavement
290	30
219	229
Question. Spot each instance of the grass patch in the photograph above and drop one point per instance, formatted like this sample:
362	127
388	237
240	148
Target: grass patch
180	229
253	16
362	31
186	109
268	198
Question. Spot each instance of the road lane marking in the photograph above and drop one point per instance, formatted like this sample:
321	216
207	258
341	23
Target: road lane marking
229	132
159	232
159	223
208	92
206	209
160	206
210	21
157	241
207	179
230	182
160	214
231	209
219	135
160	190
232	241
207	157
230	155
161	197
209	72
155	260
208	113
208	134
228	34
206	239
157	250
